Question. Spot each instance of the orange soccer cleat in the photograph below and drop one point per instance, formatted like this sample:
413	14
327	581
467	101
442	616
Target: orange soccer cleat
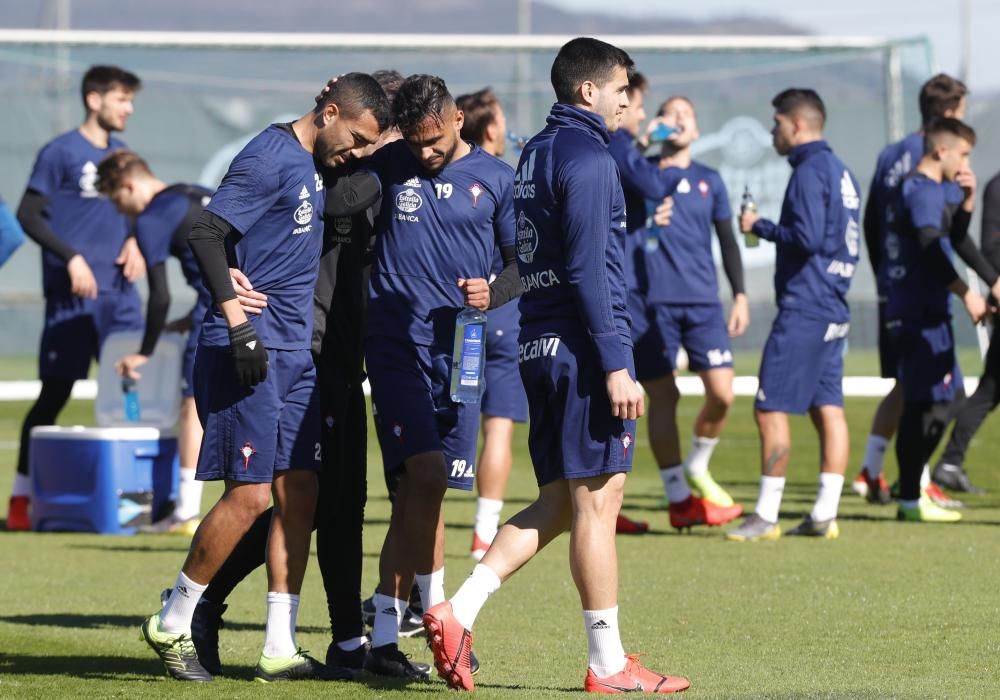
627	526
699	511
452	646
635	679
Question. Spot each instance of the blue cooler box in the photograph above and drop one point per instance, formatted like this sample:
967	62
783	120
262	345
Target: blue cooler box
107	480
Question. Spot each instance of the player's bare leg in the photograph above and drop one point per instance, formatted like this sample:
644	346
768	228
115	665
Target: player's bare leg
775	447
708	426
834	447
495	462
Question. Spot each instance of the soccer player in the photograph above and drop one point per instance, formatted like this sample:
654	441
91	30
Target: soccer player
817	240
949	470
921	279
339	306
941	96
575	357
674	302
163	219
446	207
255	383
504	401
89	261
641	181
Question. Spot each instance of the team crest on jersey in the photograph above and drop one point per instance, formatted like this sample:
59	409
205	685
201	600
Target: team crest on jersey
88	180
304	214
527	239
684	186
626	443
408	201
397	430
476	190
703	188
247	451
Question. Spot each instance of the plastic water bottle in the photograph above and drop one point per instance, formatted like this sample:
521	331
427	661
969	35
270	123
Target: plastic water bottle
468	356
661	133
519	142
747	203
132	412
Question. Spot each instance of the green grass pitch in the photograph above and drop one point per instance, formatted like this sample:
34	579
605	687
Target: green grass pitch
888	610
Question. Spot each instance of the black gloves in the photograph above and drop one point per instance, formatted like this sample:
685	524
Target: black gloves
249	354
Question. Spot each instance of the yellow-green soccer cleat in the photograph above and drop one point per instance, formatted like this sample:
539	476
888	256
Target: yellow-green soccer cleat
299	666
927	511
754	529
175	650
704	486
827	529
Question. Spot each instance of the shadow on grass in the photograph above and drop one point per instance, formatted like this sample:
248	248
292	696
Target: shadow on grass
109	668
133	548
81	621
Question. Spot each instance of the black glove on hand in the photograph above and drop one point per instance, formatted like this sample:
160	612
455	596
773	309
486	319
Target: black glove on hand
249	354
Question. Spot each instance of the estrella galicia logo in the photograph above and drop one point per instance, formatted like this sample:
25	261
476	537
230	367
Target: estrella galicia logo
304	214
527	239
408	201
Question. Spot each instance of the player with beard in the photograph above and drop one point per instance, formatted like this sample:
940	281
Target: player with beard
446	207
255	383
575	358
89	259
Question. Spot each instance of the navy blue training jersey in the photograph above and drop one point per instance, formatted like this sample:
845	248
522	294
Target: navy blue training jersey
156	228
675	263
642	178
273	196
66	173
430	232
817	235
570	236
913	293
894	162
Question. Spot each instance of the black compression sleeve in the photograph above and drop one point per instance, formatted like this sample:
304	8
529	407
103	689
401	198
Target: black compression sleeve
967	250
208	243
933	258
29	215
872	241
352	194
991	222
507	285
731	260
156	307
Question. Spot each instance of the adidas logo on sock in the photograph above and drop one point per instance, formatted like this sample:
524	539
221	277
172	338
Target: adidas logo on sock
599	625
183	591
390	611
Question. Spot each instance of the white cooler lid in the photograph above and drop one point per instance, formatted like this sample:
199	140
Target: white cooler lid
80	432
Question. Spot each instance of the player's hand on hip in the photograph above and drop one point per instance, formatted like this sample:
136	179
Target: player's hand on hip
81	279
664	212
627	399
131	260
252	302
477	292
739	316
975	306
249	354
747	220
128	365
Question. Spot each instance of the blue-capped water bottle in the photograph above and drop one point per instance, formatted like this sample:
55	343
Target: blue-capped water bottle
519	142
133	413
468	355
661	133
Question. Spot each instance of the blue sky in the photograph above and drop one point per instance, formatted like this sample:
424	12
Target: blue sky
937	19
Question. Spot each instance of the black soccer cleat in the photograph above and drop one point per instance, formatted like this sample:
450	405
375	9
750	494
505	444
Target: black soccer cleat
354	659
205	626
177	651
389	661
299	667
